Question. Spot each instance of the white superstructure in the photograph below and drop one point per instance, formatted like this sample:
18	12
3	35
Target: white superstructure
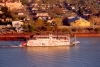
49	40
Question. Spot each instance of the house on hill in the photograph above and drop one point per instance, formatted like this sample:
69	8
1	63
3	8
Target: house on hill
42	15
14	5
17	25
2	3
77	21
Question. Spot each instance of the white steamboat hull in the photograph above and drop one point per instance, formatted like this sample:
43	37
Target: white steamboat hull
48	43
49	40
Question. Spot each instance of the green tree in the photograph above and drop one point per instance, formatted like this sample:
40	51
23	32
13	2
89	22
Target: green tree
28	27
69	1
74	2
57	10
38	24
35	1
50	1
93	10
4	9
25	27
48	27
97	29
50	12
24	2
59	21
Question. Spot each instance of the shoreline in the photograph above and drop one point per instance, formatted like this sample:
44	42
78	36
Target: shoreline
86	34
26	36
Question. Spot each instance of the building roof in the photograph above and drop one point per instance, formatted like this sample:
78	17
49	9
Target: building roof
73	19
83	20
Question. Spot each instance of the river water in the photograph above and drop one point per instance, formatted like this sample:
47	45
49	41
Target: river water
84	54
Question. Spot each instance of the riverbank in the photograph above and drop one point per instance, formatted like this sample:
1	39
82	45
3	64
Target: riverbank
26	36
15	36
87	34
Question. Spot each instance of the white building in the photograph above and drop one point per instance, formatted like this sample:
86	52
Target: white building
14	5
17	24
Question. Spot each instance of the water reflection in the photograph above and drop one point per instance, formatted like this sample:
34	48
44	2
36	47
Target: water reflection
47	56
47	49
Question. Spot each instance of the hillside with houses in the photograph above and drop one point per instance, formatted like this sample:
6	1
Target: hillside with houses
41	16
